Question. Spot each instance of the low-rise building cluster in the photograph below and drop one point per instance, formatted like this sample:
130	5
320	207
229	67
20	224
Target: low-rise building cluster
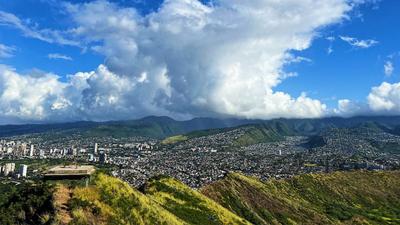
201	160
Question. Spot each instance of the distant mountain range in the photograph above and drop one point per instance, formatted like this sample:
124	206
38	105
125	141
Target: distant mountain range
155	127
162	127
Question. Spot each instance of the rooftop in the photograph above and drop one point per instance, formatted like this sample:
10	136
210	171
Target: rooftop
72	170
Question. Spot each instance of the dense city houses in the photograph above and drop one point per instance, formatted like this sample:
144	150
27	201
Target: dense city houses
201	160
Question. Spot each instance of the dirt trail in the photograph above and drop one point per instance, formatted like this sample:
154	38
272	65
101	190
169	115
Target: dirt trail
61	198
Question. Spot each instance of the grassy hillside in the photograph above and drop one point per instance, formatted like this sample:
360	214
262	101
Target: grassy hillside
188	204
338	198
258	134
174	139
253	134
166	201
155	127
112	201
194	134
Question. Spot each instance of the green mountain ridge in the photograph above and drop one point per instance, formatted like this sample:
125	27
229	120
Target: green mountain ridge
357	197
162	127
188	204
339	198
263	133
153	127
112	201
164	201
253	134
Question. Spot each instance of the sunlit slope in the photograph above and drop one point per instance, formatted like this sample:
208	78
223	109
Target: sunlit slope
112	201
188	204
166	201
338	198
252	134
259	134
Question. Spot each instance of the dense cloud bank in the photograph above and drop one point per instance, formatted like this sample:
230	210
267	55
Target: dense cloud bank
186	59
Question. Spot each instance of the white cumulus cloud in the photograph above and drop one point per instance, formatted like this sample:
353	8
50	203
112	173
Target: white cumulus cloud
385	98
43	96
186	59
27	97
348	108
382	100
223	59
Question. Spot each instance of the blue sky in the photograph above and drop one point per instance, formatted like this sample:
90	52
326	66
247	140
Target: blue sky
350	72
335	74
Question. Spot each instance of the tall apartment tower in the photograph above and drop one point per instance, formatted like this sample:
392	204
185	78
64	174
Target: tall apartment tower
8	168
23	169
95	148
41	153
24	150
32	151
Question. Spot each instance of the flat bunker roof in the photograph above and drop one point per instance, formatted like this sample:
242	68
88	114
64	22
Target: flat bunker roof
70	171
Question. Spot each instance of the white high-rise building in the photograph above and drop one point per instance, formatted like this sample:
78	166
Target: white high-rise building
95	148
24	149
23	169
32	151
8	168
41	153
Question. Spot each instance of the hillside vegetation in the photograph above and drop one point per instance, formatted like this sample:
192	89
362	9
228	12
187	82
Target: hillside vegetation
167	201
338	198
152	126
357	197
188	204
174	139
26	203
112	201
259	134
162	127
252	134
